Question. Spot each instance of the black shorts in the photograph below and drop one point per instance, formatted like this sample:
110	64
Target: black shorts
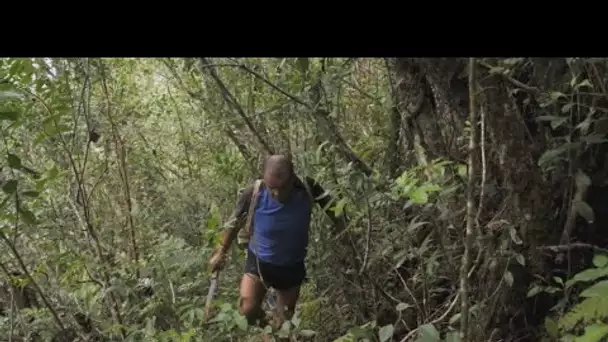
277	277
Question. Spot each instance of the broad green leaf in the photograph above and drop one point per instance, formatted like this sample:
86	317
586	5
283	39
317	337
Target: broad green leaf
593	333
584	83
600	260
555	121
10	95
303	64
520	259
557	95
307	333
452	336
13	161
428	333
567	107
419	196
509	278
589	274
585	210
558	280
386	333
31	194
339	207
455	318
599	289
551	155
241	322
10	186
514	237
552	327
402	307
581	179
10	116
27	216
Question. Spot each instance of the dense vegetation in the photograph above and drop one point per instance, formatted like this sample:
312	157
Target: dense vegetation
118	175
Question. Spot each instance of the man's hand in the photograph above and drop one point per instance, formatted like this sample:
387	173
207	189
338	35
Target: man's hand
217	260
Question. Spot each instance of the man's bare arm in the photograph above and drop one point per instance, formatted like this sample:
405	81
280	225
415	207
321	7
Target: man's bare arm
232	227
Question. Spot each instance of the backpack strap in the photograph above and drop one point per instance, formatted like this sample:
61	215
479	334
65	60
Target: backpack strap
245	233
311	198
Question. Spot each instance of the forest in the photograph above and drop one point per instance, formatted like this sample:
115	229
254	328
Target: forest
472	187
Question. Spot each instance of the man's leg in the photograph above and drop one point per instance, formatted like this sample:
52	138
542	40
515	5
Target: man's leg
286	302
252	294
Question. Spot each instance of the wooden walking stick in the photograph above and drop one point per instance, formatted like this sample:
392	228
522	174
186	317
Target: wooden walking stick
211	294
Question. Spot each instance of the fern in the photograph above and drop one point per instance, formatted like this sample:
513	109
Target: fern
590	310
593	310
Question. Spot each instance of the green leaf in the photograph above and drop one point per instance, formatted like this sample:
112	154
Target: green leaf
581	179
27	216
567	107
419	196
551	155
402	307
558	280
555	121
452	336
585	210
13	161
534	291
593	333
386	333
303	64
455	318
10	116
241	322
520	259
428	333
584	83
10	186
556	95
509	278
31	193
307	333
599	289
552	328
339	207
10	95
587	275
514	237
600	260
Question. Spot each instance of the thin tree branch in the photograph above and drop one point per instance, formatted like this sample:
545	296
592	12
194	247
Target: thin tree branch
232	102
468	240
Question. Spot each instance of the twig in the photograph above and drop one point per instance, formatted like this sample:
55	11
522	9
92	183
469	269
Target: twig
233	103
275	87
409	292
468	241
435	321
575	245
515	82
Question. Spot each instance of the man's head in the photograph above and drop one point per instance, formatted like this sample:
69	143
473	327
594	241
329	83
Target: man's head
279	175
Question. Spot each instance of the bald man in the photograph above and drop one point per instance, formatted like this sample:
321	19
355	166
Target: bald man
278	246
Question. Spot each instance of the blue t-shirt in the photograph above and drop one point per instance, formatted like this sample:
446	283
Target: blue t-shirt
280	230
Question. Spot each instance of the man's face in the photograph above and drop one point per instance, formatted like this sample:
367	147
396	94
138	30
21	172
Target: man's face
278	181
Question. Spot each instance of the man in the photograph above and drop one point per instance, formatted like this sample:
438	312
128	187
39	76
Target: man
279	240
